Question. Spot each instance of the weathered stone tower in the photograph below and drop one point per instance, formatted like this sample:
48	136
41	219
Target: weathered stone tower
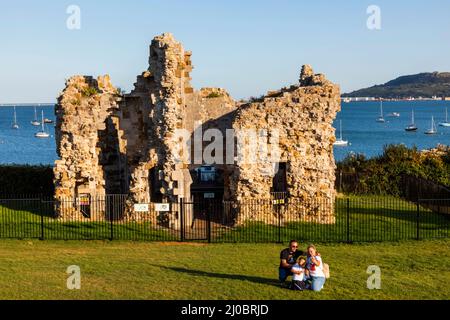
83	123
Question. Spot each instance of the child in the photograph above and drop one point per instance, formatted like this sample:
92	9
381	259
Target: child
298	275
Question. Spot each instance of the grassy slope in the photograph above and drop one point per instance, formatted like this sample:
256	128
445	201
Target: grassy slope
136	270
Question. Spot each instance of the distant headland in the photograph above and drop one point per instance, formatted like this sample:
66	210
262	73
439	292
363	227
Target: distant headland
435	85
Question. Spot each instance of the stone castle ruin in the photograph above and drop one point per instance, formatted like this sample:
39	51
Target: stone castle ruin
114	143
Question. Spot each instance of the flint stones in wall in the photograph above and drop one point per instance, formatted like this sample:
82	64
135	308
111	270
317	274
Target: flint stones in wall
105	140
303	116
82	109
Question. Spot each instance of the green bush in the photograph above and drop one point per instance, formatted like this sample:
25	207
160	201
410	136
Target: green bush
76	102
89	92
381	175
25	180
214	95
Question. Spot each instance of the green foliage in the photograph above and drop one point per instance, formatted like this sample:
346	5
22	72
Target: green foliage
214	95
381	175
76	102
26	180
89	92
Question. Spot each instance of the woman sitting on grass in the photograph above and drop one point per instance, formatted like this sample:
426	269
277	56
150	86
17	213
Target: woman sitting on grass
315	267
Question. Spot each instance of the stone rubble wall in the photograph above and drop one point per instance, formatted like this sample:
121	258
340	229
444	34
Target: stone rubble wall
135	121
170	66
81	113
303	116
129	143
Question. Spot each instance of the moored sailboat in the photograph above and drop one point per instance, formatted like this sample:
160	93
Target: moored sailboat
35	121
340	142
15	125
42	133
412	126
445	123
433	129
381	117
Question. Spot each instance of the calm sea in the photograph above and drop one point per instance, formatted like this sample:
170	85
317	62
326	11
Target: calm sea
367	136
20	146
358	125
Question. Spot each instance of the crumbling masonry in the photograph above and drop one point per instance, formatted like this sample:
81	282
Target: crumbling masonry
114	143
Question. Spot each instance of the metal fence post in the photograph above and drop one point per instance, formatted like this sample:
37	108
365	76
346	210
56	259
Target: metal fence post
208	223
348	220
181	212
279	221
418	221
111	226
42	222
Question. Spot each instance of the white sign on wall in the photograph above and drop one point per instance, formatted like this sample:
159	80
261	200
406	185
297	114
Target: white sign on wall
209	195
162	207
141	207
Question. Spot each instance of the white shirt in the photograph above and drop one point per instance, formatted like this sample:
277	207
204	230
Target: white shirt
298	277
315	271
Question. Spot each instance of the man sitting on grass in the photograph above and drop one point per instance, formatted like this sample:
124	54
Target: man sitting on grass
288	257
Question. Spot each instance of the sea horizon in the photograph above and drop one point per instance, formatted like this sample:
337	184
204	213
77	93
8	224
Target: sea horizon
359	128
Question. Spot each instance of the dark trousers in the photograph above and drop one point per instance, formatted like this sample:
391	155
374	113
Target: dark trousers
283	274
299	285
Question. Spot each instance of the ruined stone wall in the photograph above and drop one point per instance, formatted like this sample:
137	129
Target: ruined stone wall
162	102
211	113
209	106
303	116
130	145
135	123
170	67
81	121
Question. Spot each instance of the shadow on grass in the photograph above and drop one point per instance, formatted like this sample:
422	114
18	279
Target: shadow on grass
199	273
18	208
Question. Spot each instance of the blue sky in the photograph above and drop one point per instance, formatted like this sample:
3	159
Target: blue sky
247	47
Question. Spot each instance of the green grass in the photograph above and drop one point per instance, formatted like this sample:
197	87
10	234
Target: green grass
140	270
371	218
21	219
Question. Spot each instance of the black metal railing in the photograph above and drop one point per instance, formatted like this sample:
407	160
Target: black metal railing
277	219
416	187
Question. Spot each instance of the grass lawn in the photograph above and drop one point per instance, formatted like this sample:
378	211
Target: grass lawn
139	270
371	218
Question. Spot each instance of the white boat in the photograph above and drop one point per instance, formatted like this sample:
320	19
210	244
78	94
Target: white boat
445	123
394	115
433	129
381	117
412	126
42	133
15	125
340	142
35	121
